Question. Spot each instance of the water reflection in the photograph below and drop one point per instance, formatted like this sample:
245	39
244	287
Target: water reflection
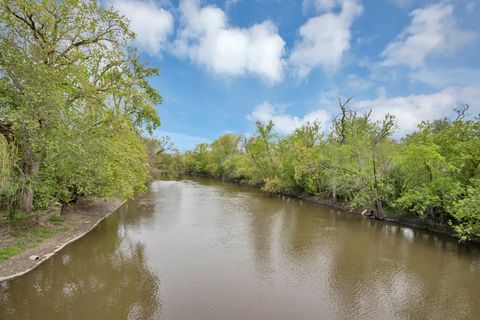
227	252
102	276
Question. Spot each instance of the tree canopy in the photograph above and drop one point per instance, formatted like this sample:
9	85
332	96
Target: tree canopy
74	102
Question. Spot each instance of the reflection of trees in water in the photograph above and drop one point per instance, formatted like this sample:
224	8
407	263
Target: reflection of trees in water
99	277
141	210
374	269
300	230
261	224
286	227
378	271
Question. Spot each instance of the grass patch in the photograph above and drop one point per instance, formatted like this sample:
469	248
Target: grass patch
8	252
44	233
55	219
62	229
16	233
21	217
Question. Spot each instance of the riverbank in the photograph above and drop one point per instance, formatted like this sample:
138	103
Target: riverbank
403	219
25	249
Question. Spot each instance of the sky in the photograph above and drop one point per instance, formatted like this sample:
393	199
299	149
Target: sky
226	64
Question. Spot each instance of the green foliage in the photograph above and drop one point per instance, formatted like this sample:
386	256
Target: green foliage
8	181
8	252
467	213
55	219
74	102
298	157
263	150
43	233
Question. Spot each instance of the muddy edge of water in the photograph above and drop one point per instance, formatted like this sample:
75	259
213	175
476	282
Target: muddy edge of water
80	218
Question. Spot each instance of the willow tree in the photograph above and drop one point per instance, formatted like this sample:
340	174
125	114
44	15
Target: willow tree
79	99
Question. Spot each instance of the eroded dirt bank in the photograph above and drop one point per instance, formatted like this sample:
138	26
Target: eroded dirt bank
78	220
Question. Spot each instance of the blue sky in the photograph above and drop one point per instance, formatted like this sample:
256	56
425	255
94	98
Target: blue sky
226	64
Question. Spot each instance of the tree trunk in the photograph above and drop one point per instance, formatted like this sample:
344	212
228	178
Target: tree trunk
334	194
26	196
378	209
63	210
26	199
30	169
378	202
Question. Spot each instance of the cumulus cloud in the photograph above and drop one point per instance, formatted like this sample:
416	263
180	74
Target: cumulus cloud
408	110
151	23
356	84
412	109
319	5
325	38
286	123
208	40
432	30
446	77
402	3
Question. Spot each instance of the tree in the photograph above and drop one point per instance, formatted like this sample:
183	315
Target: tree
467	213
430	170
368	154
221	149
261	147
75	86
299	155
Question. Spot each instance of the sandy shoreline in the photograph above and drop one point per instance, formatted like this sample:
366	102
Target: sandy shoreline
80	219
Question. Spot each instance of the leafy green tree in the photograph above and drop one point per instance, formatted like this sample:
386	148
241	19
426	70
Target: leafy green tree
221	149
262	148
299	155
369	152
430	180
76	92
467	213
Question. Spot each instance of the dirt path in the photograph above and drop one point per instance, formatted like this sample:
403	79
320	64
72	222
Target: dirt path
78	221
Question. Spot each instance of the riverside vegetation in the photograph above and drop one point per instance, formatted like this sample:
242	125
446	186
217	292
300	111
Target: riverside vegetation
75	105
432	173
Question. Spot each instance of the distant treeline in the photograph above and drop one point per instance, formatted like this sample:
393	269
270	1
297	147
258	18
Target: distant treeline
74	103
433	172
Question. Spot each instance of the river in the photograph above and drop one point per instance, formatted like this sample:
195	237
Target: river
200	249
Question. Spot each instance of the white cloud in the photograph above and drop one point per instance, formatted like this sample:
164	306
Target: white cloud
355	84
151	23
229	4
286	123
325	38
319	5
446	77
432	31
411	110
208	40
402	3
471	7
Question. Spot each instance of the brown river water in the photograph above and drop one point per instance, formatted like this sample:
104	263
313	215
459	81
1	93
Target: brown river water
201	249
